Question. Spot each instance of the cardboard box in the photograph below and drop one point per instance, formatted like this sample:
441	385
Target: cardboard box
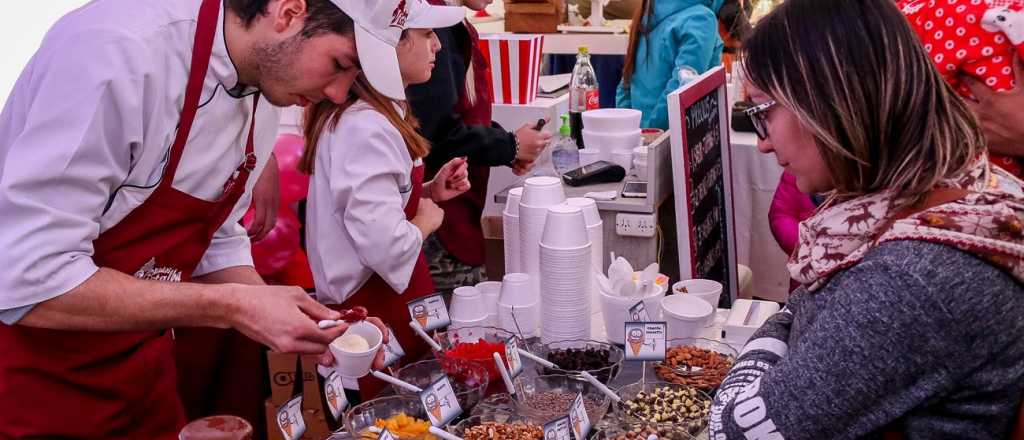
316	425
311	385
540	18
282	369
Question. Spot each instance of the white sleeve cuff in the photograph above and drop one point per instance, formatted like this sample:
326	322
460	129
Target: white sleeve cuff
225	252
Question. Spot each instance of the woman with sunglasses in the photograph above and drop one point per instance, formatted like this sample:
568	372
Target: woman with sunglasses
909	315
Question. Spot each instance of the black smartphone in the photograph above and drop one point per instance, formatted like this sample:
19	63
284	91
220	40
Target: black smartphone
597	172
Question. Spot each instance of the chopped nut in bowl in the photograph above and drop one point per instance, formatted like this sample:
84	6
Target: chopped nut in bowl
543	398
696	362
683	406
497	426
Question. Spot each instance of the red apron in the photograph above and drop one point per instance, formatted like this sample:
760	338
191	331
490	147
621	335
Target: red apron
382	301
122	385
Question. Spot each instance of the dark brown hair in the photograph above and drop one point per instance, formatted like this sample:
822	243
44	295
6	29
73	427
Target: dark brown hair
856	76
322	16
639	28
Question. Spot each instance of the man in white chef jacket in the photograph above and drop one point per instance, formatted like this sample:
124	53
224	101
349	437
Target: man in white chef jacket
85	138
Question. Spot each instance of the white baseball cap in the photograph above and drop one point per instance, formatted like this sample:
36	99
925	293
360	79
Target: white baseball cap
378	27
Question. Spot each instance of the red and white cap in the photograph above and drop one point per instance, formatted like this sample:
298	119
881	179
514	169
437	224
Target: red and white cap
378	27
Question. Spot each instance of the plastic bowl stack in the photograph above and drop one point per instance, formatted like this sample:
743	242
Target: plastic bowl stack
611	131
539	194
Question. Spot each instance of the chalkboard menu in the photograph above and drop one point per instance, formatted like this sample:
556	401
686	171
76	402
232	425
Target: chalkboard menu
703	187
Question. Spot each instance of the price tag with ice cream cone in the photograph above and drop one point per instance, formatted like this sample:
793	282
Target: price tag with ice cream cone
645	341
578	417
386	435
515	364
335	393
440	402
289	419
558	429
430	312
393	350
639	312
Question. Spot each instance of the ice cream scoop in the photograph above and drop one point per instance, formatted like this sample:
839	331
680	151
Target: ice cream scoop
352	343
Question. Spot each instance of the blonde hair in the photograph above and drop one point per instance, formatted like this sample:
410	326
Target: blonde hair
855	75
326	114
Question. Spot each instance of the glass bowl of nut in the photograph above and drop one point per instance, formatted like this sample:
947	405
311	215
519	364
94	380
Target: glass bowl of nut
660	403
642	431
696	362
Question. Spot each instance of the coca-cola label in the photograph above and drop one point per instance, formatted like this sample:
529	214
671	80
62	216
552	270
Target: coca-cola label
593	100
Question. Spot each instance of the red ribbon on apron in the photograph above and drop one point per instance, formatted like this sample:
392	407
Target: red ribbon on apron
122	385
382	301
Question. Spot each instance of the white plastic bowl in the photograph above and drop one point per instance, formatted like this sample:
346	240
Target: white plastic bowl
607	120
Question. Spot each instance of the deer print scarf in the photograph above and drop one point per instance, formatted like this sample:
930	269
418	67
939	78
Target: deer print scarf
988	222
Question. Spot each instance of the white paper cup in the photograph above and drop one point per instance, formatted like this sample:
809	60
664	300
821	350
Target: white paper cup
640	170
526	316
623	159
686	315
640	153
615	311
356	365
612	141
612	119
516	290
542	191
566	228
490	290
468	304
515	196
461	323
708	290
589	156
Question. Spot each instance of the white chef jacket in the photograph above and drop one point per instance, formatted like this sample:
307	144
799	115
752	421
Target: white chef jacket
355	219
85	134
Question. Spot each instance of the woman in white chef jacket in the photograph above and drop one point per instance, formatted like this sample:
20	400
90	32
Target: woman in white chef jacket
369	209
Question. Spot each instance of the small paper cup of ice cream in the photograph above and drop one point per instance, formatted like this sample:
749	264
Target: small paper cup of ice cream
355	349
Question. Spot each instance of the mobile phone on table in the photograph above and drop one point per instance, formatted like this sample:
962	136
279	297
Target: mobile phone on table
635	189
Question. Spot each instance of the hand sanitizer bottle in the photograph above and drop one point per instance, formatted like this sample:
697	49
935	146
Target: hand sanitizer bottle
565	154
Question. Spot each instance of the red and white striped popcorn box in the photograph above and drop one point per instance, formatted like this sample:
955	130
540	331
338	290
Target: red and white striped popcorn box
515	66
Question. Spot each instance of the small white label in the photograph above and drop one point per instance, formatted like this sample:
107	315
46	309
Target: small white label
645	341
289	419
578	417
393	350
558	429
386	435
334	390
515	364
639	312
430	312
440	402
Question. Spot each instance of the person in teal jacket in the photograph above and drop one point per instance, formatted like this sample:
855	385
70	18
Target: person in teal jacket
666	36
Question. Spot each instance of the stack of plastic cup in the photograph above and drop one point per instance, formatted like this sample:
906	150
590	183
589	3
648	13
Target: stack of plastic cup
539	194
468	308
491	290
640	162
518	310
566	275
510	230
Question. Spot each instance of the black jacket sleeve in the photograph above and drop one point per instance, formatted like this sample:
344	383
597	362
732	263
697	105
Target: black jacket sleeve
433	103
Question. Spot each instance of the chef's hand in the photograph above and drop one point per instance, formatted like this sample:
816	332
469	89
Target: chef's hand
1000	112
283	318
428	217
451	180
327	358
520	167
531	143
266	197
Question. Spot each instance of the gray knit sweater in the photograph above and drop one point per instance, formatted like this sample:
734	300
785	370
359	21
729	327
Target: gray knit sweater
918	338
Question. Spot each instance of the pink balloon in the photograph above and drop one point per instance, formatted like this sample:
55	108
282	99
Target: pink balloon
273	253
294	184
